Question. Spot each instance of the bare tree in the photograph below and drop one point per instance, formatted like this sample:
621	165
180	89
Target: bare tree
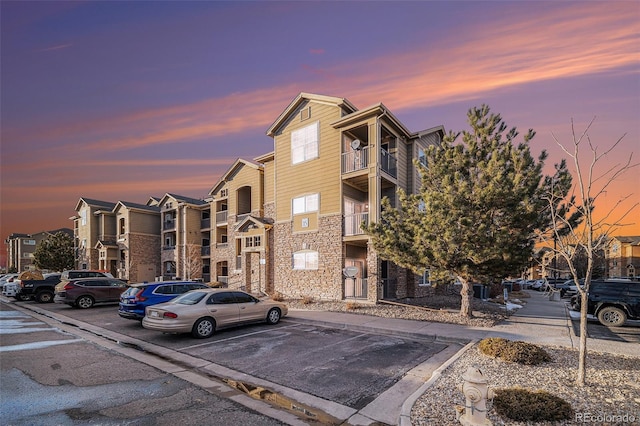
192	262
579	197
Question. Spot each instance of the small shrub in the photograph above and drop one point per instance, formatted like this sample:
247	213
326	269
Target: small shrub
531	406
278	297
510	351
351	306
307	300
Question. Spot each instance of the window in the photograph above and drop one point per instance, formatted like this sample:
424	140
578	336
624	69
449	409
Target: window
305	204
305	259
422	157
304	143
83	217
29	242
121	226
425	278
252	241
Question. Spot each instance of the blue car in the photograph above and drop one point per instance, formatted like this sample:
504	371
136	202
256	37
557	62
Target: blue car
134	301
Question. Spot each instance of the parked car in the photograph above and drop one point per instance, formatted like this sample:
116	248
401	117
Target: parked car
86	292
202	312
611	301
42	290
8	285
138	296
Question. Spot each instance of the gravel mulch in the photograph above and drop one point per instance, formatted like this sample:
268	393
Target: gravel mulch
612	389
610	397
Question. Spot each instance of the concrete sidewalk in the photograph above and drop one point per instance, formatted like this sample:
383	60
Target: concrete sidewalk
540	320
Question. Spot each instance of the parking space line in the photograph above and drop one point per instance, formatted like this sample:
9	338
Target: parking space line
237	337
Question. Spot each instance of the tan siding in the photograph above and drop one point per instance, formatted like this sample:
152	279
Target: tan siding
320	175
269	182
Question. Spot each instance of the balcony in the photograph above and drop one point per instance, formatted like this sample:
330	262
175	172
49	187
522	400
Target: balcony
355	288
352	223
169	224
205	250
388	163
205	223
221	217
222	245
355	160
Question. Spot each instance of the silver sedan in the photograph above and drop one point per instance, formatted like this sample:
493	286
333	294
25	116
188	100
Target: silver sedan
202	312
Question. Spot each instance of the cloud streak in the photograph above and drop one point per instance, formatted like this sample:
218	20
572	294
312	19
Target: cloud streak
514	54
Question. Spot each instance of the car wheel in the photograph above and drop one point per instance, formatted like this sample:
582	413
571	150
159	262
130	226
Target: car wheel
273	317
611	316
203	328
44	297
23	297
84	302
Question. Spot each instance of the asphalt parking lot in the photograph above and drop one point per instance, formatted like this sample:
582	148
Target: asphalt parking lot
347	367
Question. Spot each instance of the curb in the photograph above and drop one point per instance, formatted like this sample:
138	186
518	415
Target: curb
405	415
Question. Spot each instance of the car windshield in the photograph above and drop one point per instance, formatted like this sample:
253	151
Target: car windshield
190	298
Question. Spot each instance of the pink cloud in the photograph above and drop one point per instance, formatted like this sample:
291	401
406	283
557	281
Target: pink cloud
316	51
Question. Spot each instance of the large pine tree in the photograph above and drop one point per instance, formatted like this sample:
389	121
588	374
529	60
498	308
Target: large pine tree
55	253
476	211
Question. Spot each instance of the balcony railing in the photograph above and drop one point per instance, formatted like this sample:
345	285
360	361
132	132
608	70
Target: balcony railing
205	250
169	224
221	216
355	160
223	279
352	223
205	223
355	288
222	245
388	163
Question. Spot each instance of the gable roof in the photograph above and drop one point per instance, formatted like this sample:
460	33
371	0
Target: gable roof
105	205
183	199
136	206
304	97
633	240
237	165
248	221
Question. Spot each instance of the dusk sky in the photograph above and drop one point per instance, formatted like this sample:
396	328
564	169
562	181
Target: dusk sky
126	100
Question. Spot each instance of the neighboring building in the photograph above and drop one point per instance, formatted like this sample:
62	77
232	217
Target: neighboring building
21	247
185	230
95	234
623	257
291	223
239	233
137	248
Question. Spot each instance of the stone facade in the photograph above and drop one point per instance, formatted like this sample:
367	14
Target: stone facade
325	283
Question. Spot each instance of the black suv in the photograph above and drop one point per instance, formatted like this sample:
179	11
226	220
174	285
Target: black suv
612	302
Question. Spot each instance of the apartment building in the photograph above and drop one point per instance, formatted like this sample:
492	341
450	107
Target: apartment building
94	230
138	242
21	248
290	222
623	257
185	232
239	233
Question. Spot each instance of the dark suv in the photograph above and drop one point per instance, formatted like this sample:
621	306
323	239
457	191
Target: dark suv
85	292
134	301
612	302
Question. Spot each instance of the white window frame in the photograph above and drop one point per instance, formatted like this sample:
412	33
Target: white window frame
424	280
83	216
305	143
29	242
305	260
305	204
